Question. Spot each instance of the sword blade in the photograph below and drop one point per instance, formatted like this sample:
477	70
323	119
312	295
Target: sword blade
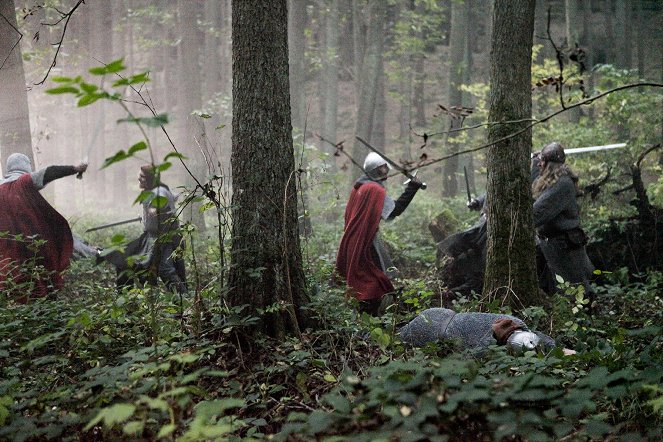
593	148
119	223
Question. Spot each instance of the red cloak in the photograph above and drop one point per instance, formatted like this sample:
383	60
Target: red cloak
355	261
25	212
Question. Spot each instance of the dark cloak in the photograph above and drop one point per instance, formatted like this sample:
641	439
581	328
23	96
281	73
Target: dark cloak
354	261
25	212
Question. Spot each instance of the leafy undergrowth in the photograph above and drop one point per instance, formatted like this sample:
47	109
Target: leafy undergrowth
95	364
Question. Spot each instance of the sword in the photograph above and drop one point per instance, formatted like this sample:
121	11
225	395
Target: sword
467	186
119	223
591	148
393	164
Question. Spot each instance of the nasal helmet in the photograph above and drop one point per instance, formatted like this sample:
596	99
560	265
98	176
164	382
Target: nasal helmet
371	163
523	340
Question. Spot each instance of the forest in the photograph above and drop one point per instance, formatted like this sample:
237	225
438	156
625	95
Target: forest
204	162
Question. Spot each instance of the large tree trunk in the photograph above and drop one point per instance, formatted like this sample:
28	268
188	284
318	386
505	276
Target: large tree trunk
510	263
369	75
14	114
266	268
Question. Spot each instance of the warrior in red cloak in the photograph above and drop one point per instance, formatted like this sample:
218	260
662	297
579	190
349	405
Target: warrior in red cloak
362	258
35	240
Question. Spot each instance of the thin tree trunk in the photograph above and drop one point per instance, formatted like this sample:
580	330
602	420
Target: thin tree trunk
369	77
15	134
510	264
457	48
296	45
191	134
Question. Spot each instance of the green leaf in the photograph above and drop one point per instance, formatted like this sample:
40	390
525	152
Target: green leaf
166	430
63	90
174	155
119	156
133	428
88	99
89	88
159	202
141	145
156	121
112	415
134	79
58	79
110	68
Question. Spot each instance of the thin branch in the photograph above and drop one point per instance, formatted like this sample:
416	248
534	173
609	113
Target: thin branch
64	16
537	122
645	153
15	44
468	128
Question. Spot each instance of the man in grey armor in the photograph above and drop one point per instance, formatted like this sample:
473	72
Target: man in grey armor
153	255
472	330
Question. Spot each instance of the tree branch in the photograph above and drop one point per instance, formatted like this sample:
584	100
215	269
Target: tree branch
536	122
15	44
66	17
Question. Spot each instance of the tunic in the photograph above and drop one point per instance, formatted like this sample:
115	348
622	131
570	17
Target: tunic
25	212
557	220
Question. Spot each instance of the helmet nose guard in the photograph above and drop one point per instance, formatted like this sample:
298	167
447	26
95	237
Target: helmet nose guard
372	162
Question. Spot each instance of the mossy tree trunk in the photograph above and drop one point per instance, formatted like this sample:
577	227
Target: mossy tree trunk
510	266
266	262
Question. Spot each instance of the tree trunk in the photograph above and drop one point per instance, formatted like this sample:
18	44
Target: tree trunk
457	47
14	114
369	78
510	263
297	47
623	33
266	263
190	130
573	29
118	172
330	75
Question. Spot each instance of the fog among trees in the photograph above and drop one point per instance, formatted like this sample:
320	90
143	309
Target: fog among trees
374	69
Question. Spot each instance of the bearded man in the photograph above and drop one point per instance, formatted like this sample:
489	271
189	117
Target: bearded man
35	240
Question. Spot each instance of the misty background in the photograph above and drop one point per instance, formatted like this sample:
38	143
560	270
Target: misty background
412	54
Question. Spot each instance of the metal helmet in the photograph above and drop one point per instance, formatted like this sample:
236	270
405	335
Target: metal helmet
553	153
371	163
523	340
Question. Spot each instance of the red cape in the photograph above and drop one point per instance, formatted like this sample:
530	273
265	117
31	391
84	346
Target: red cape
25	212
354	260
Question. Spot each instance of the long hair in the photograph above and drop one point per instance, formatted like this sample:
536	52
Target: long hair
550	174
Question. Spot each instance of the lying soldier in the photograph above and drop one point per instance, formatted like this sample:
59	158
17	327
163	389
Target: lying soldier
473	330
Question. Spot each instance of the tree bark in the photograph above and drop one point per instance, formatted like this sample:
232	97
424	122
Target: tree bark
457	47
296	45
330	74
121	140
623	33
190	131
15	134
266	263
369	77
510	266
